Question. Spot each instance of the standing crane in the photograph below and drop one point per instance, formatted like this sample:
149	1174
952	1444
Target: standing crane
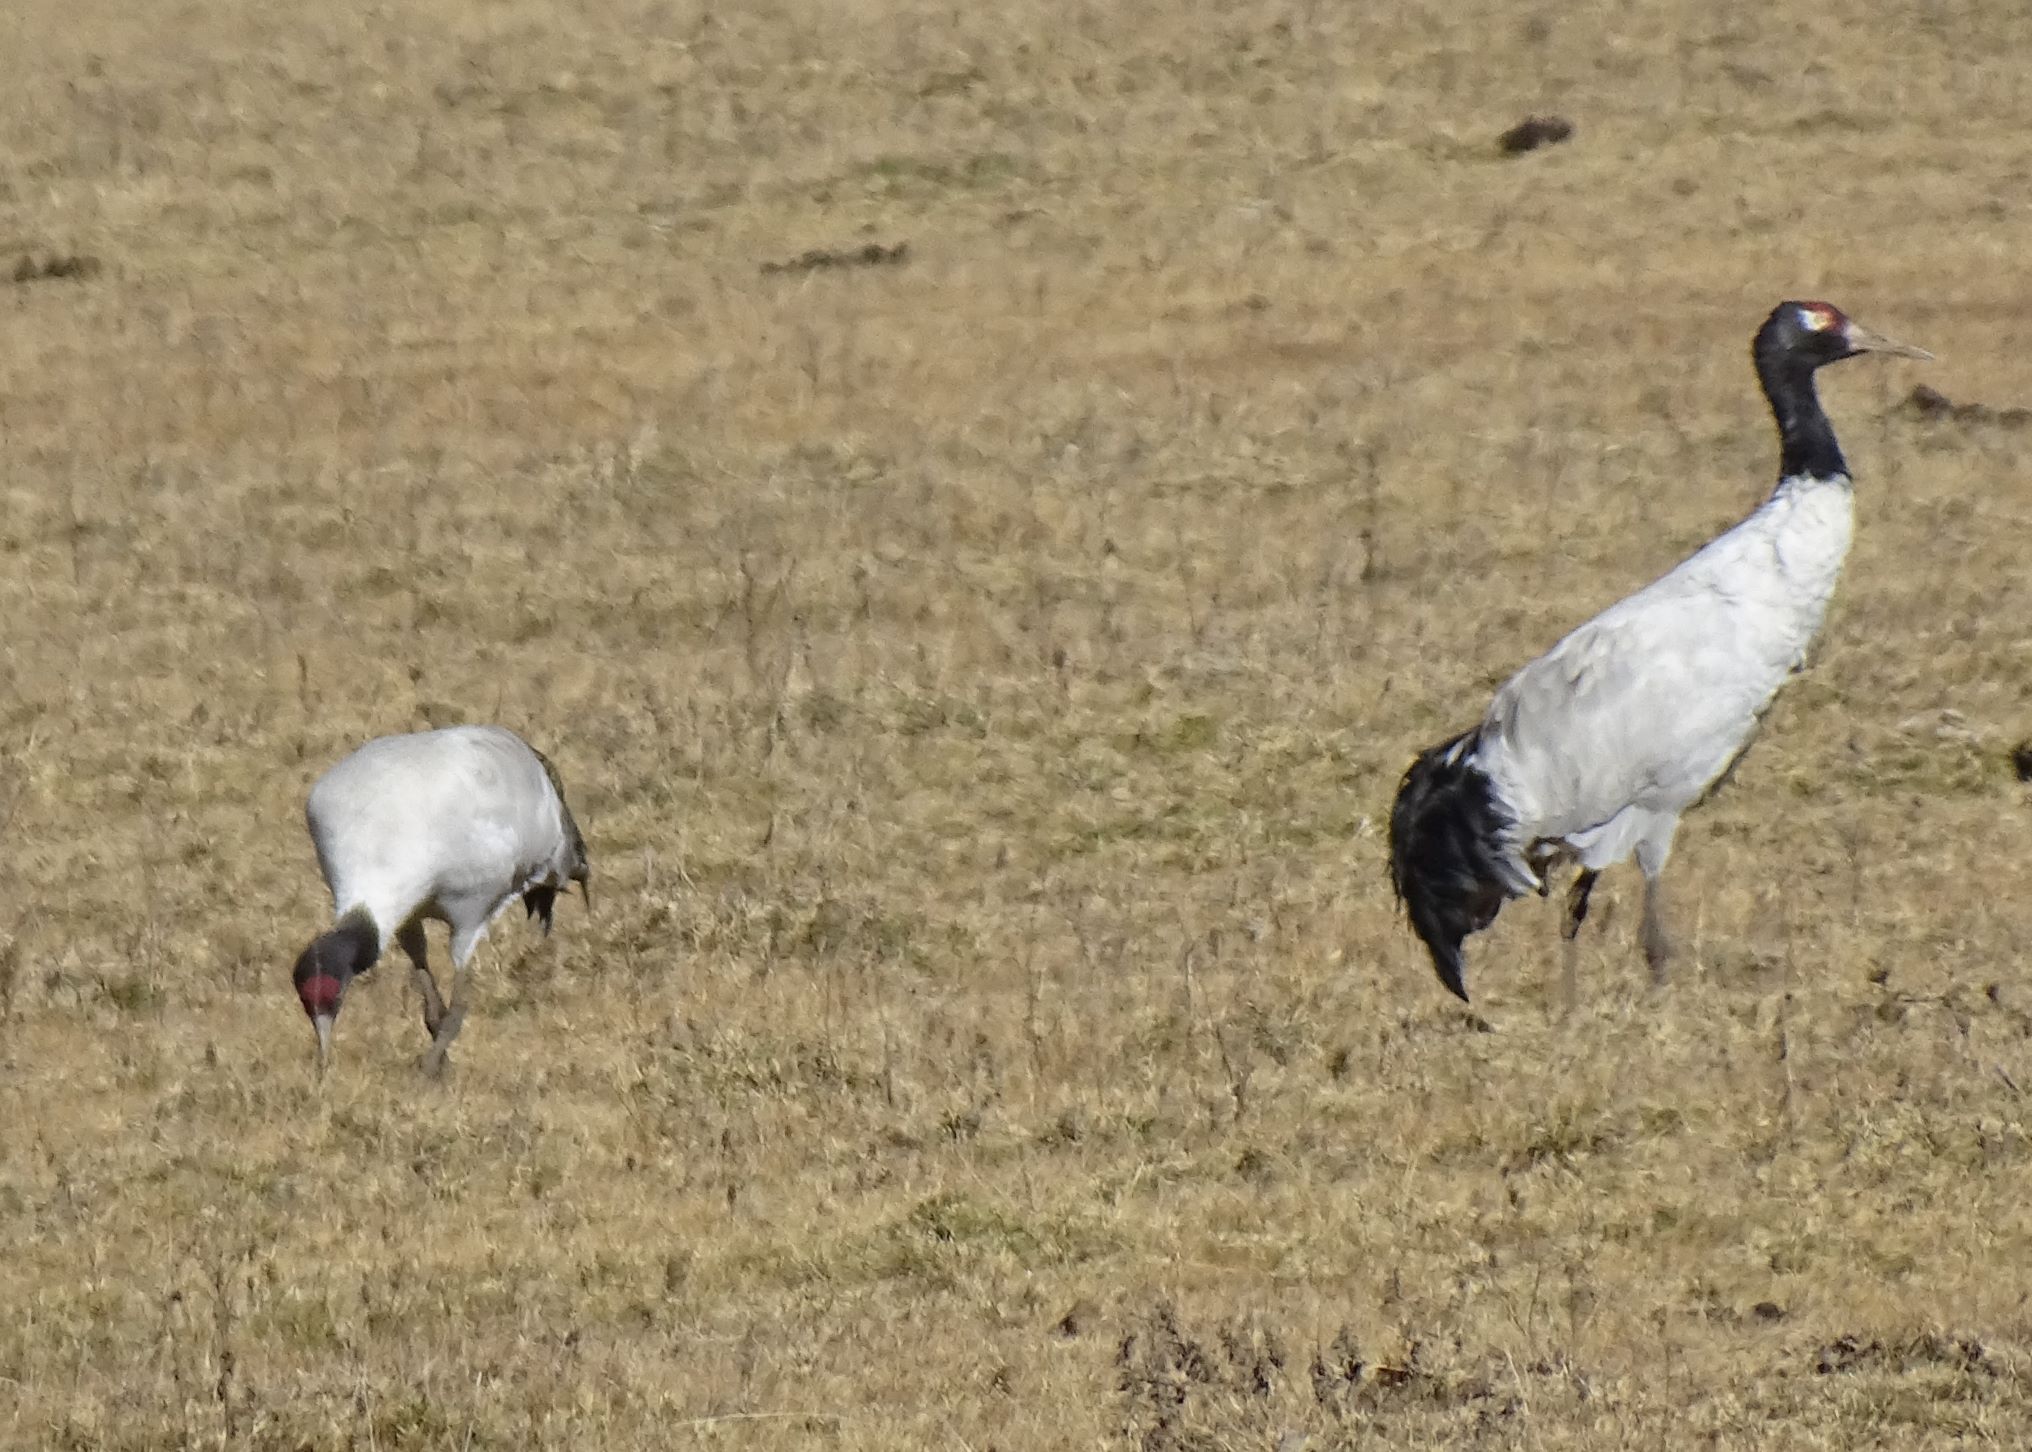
453	825
1593	751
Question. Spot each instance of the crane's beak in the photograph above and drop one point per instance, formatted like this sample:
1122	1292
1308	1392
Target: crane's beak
1862	340
323	1024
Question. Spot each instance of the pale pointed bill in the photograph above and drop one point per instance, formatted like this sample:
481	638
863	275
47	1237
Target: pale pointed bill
1863	340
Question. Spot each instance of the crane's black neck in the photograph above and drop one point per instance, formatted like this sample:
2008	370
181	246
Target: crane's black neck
1806	442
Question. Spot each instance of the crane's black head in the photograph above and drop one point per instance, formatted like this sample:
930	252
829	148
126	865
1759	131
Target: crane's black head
326	968
1796	339
1803	336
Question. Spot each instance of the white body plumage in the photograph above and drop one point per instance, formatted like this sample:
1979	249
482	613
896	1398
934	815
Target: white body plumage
454	825
1602	742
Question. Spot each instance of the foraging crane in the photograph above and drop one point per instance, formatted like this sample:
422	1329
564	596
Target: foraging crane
454	825
1591	752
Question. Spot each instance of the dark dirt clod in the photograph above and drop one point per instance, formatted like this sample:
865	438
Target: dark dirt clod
1074	1321
1155	1361
821	259
1844	1354
1931	404
1925	402
1853	1353
56	267
1171	1379
1337	1370
1533	132
1254	1356
2021	760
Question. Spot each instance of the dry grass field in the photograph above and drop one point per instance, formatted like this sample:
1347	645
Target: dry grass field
982	675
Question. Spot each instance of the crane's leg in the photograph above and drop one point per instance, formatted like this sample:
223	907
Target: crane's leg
439	1054
1569	930
411	939
1651	856
1658	949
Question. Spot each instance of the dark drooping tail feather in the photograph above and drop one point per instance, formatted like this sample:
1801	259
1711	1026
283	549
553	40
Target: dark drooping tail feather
1446	858
540	900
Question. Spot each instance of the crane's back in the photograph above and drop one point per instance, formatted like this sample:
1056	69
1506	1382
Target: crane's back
444	816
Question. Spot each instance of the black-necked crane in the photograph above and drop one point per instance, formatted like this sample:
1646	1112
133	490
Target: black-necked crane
454	825
1592	752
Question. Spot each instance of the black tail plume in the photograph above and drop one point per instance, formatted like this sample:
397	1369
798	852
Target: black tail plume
1445	857
541	899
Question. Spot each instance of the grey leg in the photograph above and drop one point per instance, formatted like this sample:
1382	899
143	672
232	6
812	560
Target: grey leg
1569	930
438	1055
1576	903
1651	856
1658	948
411	940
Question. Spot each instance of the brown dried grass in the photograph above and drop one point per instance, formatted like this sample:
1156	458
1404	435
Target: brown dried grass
982	680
